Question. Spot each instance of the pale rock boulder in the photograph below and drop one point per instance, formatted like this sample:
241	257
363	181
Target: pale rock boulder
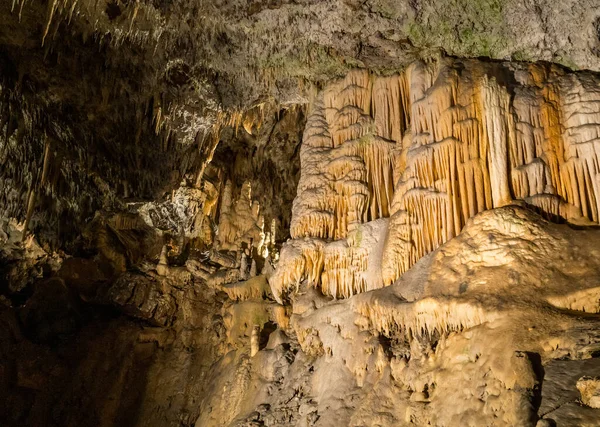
589	387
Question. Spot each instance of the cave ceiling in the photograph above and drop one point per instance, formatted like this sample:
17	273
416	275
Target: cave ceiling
115	85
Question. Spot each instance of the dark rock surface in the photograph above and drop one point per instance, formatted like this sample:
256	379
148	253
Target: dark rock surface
109	107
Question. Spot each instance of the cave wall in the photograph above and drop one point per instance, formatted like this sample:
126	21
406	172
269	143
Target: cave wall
268	158
152	143
429	149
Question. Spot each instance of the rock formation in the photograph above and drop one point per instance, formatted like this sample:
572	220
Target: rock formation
301	213
448	139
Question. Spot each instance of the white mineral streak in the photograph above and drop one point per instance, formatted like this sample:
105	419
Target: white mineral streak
429	149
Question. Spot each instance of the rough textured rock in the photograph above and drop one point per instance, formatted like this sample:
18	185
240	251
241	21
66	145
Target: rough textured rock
78	73
589	387
429	149
435	164
432	348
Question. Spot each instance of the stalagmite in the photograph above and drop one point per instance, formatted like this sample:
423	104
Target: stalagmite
244	267
162	267
254	340
267	269
240	223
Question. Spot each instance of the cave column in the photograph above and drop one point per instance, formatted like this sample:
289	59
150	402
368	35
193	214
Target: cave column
497	125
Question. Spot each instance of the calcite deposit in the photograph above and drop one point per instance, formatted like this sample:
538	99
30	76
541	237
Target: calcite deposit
447	139
245	213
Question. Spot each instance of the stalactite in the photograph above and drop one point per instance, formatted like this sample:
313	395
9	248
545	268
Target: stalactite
431	148
254	288
36	188
347	168
53	5
425	318
340	268
498	128
497	147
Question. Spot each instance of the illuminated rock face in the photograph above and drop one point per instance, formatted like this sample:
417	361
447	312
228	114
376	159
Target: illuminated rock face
429	149
240	223
347	166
